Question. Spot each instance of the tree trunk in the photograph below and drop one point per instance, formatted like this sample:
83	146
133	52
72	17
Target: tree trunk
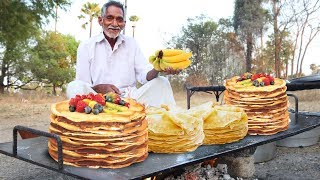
90	25
277	44
4	71
56	19
249	52
54	92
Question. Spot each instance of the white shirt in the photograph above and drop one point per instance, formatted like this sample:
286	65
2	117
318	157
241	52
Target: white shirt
97	63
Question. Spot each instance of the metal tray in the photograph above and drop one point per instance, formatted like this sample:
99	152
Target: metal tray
35	151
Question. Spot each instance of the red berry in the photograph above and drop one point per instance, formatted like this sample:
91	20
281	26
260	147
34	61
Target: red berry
254	77
100	99
117	100
266	81
271	78
78	97
84	96
90	96
127	104
73	102
80	106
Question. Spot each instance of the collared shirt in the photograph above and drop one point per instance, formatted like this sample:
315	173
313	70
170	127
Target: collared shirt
97	63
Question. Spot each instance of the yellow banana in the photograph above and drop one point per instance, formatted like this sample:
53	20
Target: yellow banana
178	58
152	59
156	64
116	107
162	66
168	52
178	65
109	110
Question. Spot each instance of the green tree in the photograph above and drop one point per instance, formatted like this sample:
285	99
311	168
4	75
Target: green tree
248	21
264	63
213	46
91	10
53	59
20	23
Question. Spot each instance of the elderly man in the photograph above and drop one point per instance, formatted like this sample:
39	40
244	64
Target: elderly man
112	62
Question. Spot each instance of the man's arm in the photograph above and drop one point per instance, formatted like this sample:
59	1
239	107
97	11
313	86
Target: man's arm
105	88
152	74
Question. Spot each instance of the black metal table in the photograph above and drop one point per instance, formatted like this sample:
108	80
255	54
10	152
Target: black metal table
304	83
35	151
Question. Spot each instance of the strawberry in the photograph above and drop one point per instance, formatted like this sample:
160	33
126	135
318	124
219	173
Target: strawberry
127	104
266	81
80	106
73	102
254	77
271	78
100	99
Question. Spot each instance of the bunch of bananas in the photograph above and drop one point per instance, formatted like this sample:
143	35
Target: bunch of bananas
170	58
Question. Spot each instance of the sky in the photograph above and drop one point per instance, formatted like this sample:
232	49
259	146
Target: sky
158	21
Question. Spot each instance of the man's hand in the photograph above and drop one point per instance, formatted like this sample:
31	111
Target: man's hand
170	70
105	88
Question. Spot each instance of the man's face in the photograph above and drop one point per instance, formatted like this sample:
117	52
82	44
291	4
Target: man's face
113	22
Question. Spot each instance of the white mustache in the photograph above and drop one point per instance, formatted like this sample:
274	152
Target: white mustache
113	27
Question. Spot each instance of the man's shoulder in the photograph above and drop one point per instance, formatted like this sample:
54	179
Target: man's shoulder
92	40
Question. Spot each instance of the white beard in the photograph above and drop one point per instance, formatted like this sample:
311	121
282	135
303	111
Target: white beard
109	34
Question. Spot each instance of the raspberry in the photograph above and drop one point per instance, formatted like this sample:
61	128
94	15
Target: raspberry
90	96
80	106
84	96
73	102
78	98
100	99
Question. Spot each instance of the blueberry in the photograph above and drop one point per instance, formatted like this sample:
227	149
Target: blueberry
122	102
87	109
96	106
108	99
255	83
95	111
100	108
72	108
261	83
272	82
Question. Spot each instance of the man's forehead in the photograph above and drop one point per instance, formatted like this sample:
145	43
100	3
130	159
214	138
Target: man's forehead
114	10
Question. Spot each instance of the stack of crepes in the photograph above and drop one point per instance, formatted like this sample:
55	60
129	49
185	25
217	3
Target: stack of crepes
266	107
108	140
221	123
173	131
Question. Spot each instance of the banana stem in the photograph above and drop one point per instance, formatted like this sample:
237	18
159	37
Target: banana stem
160	54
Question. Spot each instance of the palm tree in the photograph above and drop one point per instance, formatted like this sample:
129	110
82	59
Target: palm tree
58	3
92	10
134	19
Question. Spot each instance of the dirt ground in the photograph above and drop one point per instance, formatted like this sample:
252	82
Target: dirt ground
33	110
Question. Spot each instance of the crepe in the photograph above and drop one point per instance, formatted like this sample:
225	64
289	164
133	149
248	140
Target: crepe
106	140
266	107
173	131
